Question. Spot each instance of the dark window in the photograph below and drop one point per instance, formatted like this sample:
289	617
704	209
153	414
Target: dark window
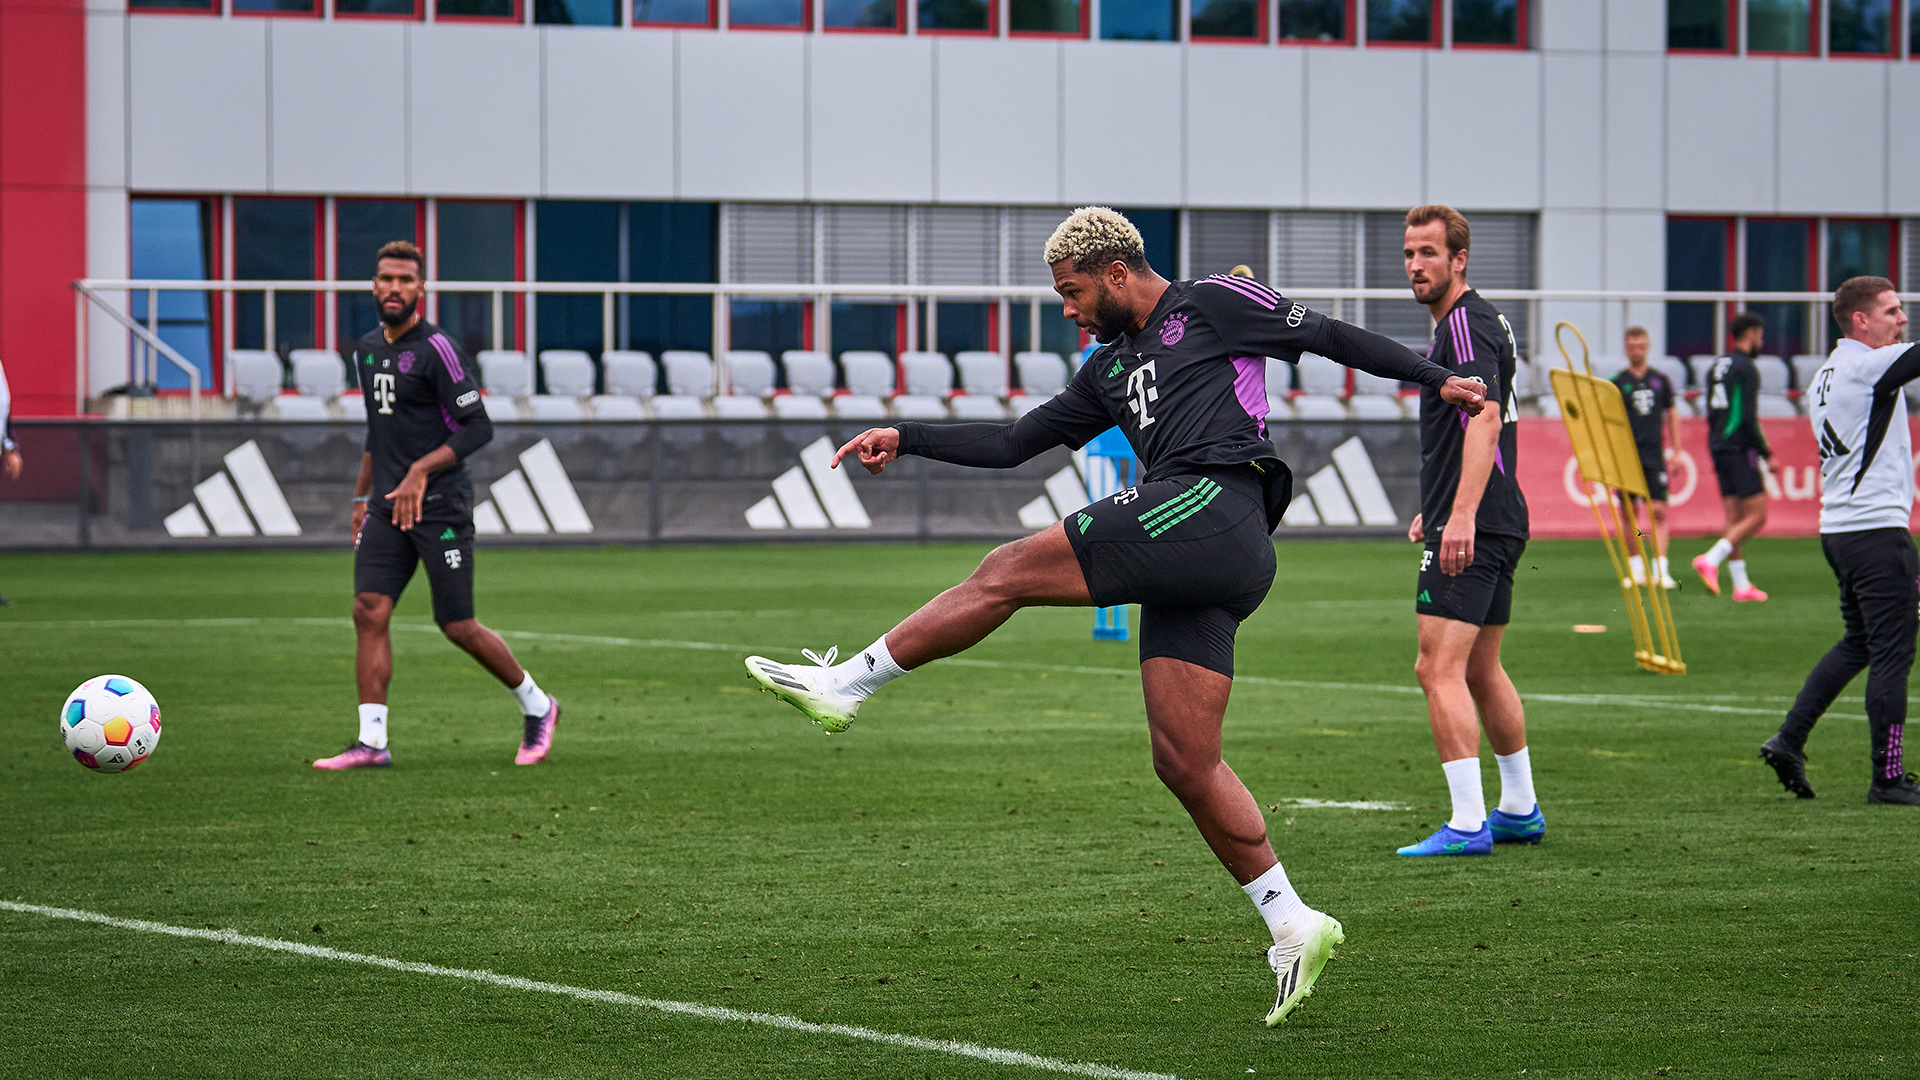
403	8
361	226
1778	260
1487	22
954	15
1140	20
1409	21
866	327
274	7
476	9
1860	26
1057	332
682	12
1237	19
670	242
478	241
574	241
577	12
772	326
1780	26
862	14
174	5
963	327
173	238
767	13
1160	229
1913	29
1698	24
1696	261
1313	20
1046	16
273	241
1859	249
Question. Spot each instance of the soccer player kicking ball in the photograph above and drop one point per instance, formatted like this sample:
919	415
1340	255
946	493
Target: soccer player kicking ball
1183	376
1734	436
1473	523
424	418
1859	417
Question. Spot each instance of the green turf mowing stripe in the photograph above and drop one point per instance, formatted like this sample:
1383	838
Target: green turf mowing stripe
1205	489
1187	513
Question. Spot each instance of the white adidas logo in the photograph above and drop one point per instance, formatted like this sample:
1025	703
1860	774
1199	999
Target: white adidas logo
538	497
811	495
219	501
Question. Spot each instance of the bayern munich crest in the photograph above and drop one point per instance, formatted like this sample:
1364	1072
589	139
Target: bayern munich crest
1173	329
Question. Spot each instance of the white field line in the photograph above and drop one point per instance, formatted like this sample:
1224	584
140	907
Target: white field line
1329	804
1707	703
608	997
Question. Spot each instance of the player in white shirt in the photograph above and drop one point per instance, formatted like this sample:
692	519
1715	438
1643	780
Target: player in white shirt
1859	417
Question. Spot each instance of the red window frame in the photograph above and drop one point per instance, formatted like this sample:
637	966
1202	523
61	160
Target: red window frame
419	13
519	16
1436	25
216	271
1345	40
713	20
1897	25
1263	34
1733	36
993	22
1521	30
805	26
1086	27
516	301
899	24
1814	29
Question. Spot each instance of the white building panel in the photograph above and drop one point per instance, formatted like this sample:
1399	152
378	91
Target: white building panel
198	89
107	257
1145	169
1833	136
107	98
1483	129
871	120
1635	134
1572	257
1364	130
1571	103
1903	151
1720	135
1632	25
1246	126
1576	25
743	101
997	127
475	104
608	114
1636	258
323	73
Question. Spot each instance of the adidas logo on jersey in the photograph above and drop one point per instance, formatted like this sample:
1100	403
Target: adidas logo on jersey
249	504
811	495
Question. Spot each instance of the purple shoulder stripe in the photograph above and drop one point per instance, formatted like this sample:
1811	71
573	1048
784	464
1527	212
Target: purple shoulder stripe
1243	287
448	356
1260	287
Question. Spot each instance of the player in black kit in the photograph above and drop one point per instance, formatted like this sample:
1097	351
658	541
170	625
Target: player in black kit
1648	395
1738	445
1183	376
424	418
1473	525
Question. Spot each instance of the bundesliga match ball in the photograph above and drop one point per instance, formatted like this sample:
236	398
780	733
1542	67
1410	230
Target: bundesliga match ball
110	723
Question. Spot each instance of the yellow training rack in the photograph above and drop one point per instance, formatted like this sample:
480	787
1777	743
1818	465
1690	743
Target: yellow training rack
1596	419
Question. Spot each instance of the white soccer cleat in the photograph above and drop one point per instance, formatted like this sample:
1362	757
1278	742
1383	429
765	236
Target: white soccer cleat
1298	962
1667	582
807	688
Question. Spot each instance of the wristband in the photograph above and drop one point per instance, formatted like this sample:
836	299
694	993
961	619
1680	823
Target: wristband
361	498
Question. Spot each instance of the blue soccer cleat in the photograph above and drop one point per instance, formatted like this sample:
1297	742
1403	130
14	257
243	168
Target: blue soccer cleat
1450	841
1525	828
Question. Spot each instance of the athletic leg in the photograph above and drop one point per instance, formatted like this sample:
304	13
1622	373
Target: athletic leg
1036	570
1446	645
1746	516
372	646
1186	704
1888	605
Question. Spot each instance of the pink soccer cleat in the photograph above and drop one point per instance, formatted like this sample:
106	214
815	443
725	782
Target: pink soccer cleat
357	756
1747	593
1709	573
539	737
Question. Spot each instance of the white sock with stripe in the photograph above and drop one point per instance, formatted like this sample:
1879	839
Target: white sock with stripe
1273	896
866	671
1718	553
533	700
373	726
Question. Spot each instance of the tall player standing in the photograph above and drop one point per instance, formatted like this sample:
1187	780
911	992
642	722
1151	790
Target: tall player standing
424	418
1183	377
1738	445
1650	414
1473	523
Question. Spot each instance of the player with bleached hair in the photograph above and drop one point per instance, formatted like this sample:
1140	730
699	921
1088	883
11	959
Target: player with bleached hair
1182	372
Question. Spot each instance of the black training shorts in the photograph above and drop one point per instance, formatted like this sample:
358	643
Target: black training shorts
443	542
1193	551
1655	468
1739	473
1482	594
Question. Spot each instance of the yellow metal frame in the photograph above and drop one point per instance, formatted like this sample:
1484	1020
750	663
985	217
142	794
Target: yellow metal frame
1602	437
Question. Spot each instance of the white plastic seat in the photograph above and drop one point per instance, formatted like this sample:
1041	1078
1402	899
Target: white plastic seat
499	408
505	373
1319	407
1604	367
1775	376
678	407
353	406
629	374
1279	408
257	375
1279	378
618	407
749	373
1375	407
1549	405
1804	366
1320	376
1526	381
555	407
1042	374
919	407
689	373
926	374
567	372
800	407
1022	404
318	373
740	406
977	407
870	374
1367	384
859	407
982	373
1701	365
301	407
1775	405
808	373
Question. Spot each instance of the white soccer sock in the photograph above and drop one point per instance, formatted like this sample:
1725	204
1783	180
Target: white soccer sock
1637	567
1718	553
866	671
1738	568
533	700
1516	782
1662	563
1469	804
373	726
1273	896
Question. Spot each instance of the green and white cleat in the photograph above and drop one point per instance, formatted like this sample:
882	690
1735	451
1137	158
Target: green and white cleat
807	689
1298	964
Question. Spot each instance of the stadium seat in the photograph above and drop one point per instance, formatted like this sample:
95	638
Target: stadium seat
1775	377
1319	407
1319	376
740	406
1700	365
1804	366
318	373
870	379
500	407
977	407
678	407
1605	367
505	373
629	374
1776	405
1042	374
353	406
257	375
926	374
555	407
983	385
567	372
689	373
1673	369
920	407
1527	382
808	373
1549	405
1375	407
300	407
859	407
618	407
1279	378
749	373
1280	408
799	407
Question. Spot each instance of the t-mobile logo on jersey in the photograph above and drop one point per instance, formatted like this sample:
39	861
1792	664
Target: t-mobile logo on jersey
453	558
1140	394
383	392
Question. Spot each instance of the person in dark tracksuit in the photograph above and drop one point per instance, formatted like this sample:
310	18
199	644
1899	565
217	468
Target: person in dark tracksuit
1734	437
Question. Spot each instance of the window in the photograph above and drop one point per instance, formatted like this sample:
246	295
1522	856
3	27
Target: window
1401	22
477	9
1228	20
1384	267
478	241
672	12
360	228
273	7
1140	20
1860	27
273	240
1913	29
770	244
874	327
861	14
205	7
670	242
1780	259
1489	22
1859	249
174	238
1219	240
405	9
574	241
1160	229
774	14
1700	24
577	12
1781	26
1061	17
1699	258
1314	20
956	15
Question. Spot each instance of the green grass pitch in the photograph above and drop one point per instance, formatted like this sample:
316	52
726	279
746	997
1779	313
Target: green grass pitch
986	857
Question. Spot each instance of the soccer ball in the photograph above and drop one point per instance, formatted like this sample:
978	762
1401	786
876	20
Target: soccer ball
110	723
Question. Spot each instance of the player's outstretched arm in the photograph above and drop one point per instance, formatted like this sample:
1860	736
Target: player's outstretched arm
981	446
875	448
1377	354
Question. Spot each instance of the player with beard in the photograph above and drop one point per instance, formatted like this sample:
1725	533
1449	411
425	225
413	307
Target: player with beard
424	418
1183	375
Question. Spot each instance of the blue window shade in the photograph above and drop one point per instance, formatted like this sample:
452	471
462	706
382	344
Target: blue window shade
671	242
577	12
694	12
1777	262
1313	20
772	326
953	14
1226	19
574	241
767	13
273	240
361	228
1044	16
173	238
1140	20
867	327
1860	26
1858	249
1696	260
477	243
1400	20
1486	22
1159	229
